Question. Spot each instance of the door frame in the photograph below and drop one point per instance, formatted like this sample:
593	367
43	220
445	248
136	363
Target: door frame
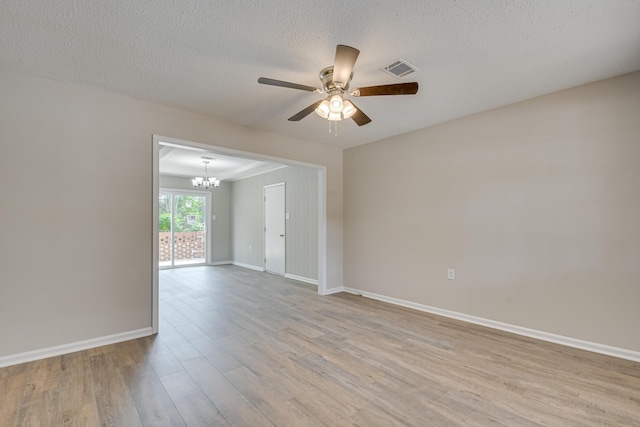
155	192
264	224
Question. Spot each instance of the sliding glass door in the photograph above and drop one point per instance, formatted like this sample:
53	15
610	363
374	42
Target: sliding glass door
182	224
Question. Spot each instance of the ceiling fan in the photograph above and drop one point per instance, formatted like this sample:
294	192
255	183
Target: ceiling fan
335	83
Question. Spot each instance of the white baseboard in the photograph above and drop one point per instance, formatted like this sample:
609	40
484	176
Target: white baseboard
301	279
334	290
252	267
30	356
221	262
532	333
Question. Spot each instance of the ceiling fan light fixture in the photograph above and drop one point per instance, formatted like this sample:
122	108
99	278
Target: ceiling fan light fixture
323	109
348	110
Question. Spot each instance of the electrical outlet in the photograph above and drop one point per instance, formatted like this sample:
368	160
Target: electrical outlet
451	274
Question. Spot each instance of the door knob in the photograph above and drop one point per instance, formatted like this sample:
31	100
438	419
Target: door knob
282	235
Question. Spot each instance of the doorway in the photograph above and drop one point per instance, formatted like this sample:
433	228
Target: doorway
159	140
274	228
183	235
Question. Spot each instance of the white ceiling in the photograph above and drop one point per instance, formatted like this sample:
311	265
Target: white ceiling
186	161
473	55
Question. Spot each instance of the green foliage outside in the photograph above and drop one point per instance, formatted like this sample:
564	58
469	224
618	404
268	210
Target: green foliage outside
190	213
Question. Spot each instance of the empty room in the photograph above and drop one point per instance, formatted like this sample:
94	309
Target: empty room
326	214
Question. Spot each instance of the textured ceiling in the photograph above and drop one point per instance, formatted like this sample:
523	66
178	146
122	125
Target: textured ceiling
206	57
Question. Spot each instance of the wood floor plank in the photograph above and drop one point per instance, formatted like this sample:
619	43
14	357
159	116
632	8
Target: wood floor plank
76	405
113	397
277	410
324	409
280	381
192	404
241	347
162	358
151	399
233	406
12	384
39	401
216	354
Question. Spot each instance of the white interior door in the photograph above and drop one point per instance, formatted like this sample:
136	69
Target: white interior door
274	226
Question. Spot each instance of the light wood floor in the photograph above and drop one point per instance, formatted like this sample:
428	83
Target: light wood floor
244	348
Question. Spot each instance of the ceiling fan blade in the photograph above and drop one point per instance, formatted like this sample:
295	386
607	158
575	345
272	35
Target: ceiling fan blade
343	64
304	113
272	82
394	89
360	117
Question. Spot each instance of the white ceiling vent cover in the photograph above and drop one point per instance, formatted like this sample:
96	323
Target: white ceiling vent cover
399	68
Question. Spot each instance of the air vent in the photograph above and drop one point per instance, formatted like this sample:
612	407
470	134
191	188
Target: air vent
399	68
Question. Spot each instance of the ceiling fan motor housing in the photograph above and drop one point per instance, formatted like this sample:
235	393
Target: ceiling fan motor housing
326	76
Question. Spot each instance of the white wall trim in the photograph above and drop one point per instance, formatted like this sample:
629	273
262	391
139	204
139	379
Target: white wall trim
58	350
155	244
334	290
519	330
171	267
301	279
322	231
220	262
252	267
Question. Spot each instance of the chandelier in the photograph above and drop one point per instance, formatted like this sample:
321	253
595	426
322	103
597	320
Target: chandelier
206	182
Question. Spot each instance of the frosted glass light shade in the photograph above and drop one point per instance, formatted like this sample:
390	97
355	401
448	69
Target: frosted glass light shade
348	110
323	109
336	104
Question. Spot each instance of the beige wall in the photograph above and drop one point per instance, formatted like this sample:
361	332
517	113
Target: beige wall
536	206
75	188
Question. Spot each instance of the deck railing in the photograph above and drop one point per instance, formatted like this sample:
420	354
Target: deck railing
188	245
